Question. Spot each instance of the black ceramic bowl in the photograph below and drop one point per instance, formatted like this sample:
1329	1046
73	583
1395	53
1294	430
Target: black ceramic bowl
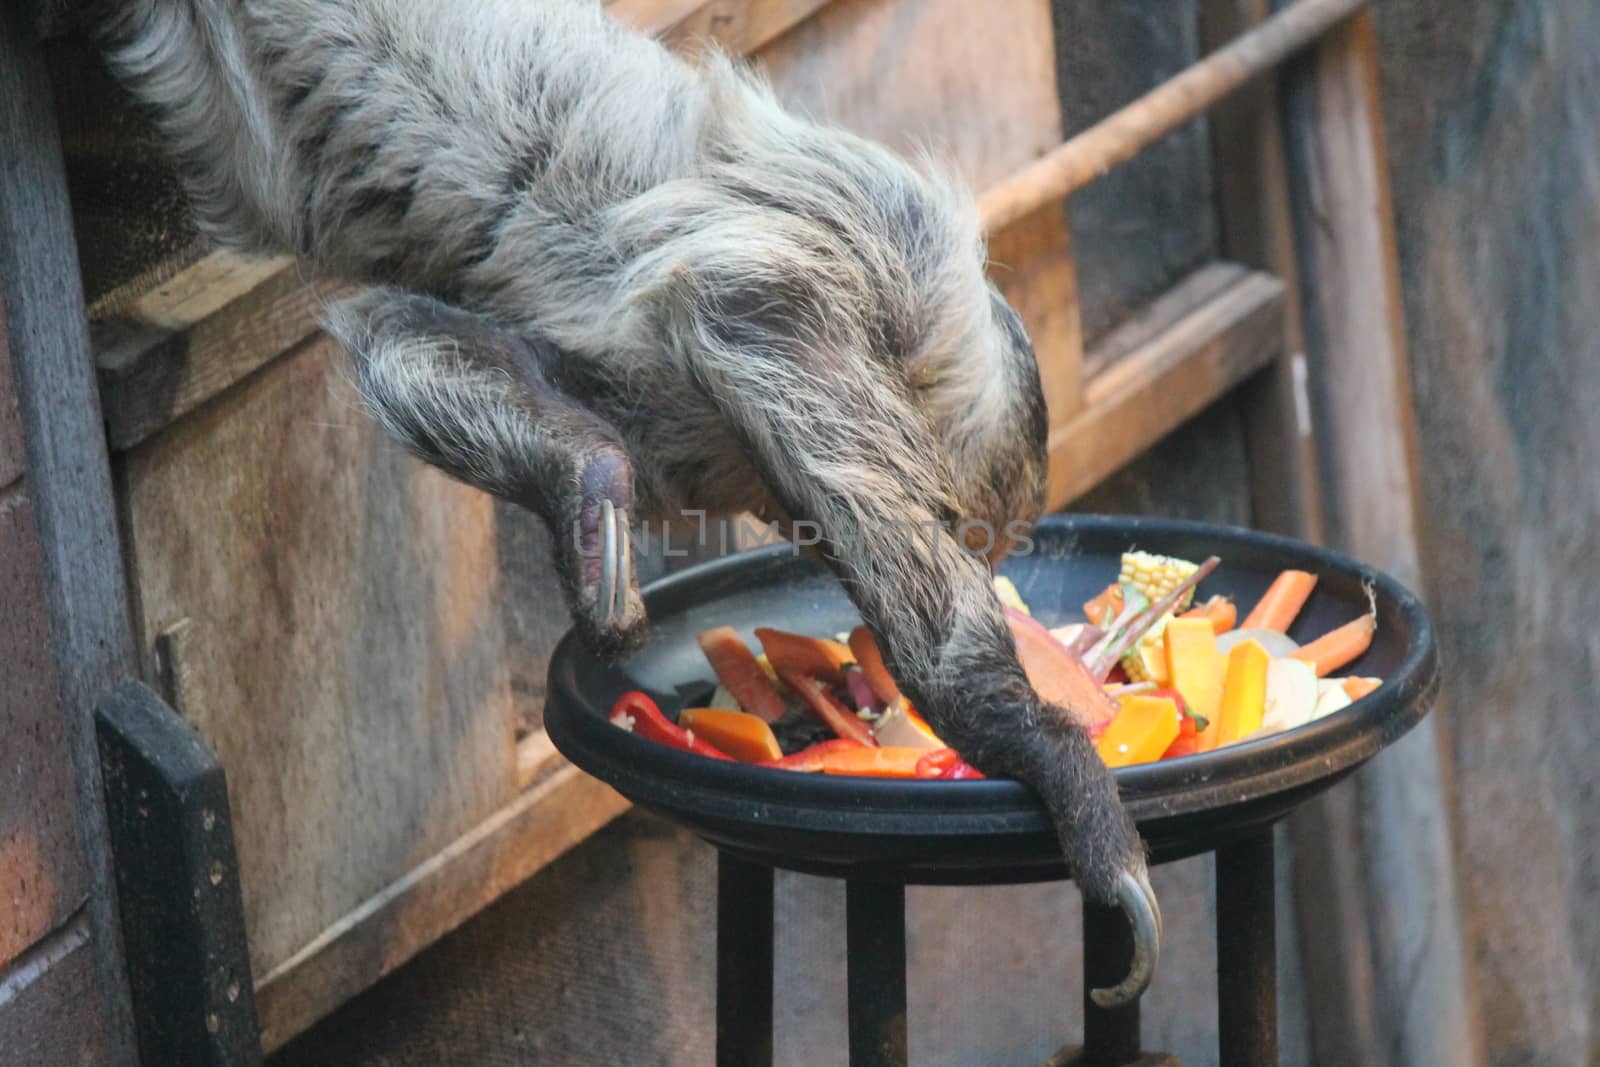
984	830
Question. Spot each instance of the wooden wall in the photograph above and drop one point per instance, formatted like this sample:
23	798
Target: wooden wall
1494	139
46	970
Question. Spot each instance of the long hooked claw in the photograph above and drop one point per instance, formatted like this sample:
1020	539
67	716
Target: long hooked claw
624	567
1138	902
610	573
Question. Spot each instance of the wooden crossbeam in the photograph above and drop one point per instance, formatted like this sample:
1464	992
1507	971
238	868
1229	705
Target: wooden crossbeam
1214	330
1121	136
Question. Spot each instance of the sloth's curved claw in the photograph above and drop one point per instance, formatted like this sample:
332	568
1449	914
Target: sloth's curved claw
1138	902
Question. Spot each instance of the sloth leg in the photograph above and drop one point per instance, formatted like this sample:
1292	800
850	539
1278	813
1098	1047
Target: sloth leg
478	401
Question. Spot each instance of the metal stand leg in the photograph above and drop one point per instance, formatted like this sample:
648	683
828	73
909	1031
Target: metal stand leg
744	963
1110	1037
875	920
1247	975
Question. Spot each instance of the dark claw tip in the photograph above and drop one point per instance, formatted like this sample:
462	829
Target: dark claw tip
1138	903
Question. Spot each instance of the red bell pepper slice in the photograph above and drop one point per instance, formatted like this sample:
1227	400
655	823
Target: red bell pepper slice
811	758
637	713
839	718
946	763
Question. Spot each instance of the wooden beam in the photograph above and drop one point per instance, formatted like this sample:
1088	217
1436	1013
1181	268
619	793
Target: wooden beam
736	26
1216	328
1377	854
558	812
69	476
1121	136
189	338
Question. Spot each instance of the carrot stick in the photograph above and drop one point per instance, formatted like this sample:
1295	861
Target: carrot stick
1219	609
1104	607
1338	647
870	660
737	669
1356	688
809	760
737	733
874	762
816	657
1282	602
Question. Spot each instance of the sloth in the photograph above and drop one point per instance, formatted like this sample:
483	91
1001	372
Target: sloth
609	285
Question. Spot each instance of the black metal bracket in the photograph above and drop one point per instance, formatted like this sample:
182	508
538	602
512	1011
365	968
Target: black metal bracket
177	880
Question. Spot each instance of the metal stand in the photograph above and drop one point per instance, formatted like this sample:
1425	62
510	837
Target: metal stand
1247	985
875	924
744	962
1247	974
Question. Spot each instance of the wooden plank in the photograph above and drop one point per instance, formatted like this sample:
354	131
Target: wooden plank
1194	355
42	875
177	884
1413	974
536	754
433	898
736	26
194	335
327	612
982	91
47	999
69	482
1121	136
1258	231
10	414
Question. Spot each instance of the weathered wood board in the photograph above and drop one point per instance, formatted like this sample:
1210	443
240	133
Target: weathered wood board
1146	224
988	105
49	1004
10	416
329	614
42	880
1491	111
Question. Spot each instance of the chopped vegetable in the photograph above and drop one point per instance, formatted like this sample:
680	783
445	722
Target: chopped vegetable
1196	669
1340	647
903	728
1279	645
1144	728
637	713
873	762
1158	576
1356	688
1147	662
1282	601
1187	742
810	758
1291	695
838	717
739	734
1105	607
1333	699
870	659
815	657
1126	632
1219	609
738	670
859	692
1244	693
1057	675
1152	672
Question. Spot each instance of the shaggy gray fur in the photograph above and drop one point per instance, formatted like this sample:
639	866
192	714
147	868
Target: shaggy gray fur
605	274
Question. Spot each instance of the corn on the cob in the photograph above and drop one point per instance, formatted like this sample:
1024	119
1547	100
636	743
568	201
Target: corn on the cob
1147	662
1156	576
